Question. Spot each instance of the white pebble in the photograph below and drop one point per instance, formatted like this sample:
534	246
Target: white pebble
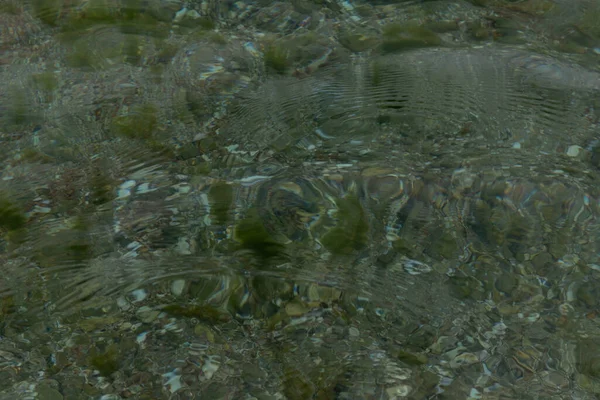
177	287
573	151
414	267
139	295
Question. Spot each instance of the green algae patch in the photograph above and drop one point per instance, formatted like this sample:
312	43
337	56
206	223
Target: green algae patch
441	26
217	38
296	386
351	232
140	123
11	7
45	81
411	358
47	11
252	235
130	18
102	187
589	23
357	43
106	363
399	37
276	58
11	216
220	196
19	107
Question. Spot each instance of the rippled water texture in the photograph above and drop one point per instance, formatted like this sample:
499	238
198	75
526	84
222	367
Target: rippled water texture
299	200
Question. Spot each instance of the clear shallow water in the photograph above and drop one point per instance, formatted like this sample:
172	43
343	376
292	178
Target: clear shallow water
299	200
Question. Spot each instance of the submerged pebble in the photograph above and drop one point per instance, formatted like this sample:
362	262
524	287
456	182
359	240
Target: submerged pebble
414	267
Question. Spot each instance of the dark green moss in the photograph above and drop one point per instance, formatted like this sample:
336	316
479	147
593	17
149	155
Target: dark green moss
78	252
47	10
365	10
11	7
140	123
131	50
376	73
18	110
31	155
98	11
7	305
145	25
106	363
166	53
131	18
479	3
130	9
276	58
11	217
410	358
197	103
45	81
407	247
102	188
252	235
206	23
588	357
441	26
220	196
70	247
296	386
464	287
217	38
443	245
79	56
357	43
351	232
